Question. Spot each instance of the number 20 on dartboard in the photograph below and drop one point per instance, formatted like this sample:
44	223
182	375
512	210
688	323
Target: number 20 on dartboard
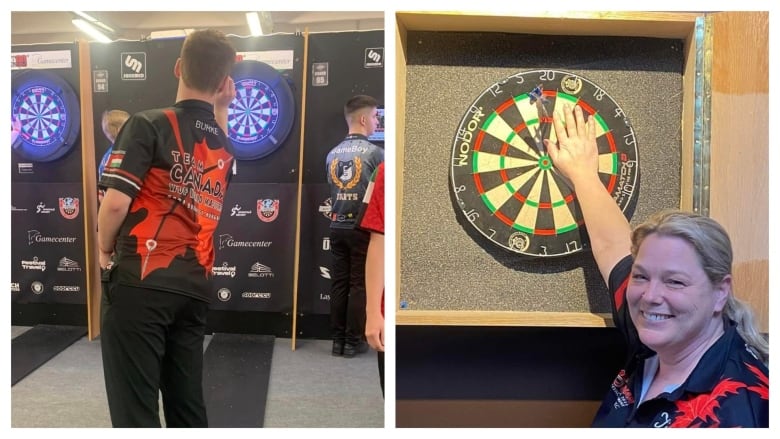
504	182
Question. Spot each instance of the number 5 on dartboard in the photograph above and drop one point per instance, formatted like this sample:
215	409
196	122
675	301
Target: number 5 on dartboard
506	185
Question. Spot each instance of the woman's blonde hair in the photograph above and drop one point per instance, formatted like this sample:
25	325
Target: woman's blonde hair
112	122
713	247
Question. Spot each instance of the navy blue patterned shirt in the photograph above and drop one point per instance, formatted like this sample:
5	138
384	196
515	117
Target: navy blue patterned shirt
728	388
349	167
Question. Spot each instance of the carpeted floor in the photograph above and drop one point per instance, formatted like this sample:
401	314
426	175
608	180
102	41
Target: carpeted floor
307	388
40	344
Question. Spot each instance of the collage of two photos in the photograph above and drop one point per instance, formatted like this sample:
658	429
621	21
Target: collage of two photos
566	219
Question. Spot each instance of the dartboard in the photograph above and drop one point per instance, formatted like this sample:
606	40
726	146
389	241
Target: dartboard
261	115
505	184
45	116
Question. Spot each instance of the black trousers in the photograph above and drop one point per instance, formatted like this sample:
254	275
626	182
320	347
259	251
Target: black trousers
152	342
348	290
380	357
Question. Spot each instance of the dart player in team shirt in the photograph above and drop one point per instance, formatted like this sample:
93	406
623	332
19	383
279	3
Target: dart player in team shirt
349	166
166	180
696	358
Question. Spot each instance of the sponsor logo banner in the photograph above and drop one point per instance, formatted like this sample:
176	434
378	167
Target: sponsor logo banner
25	168
34	264
47	59
237	210
69	207
319	74
325	207
227	240
278	59
375	57
100	81
224	270
133	66
41	208
35	237
67	264
255	295
267	210
260	270
37	287
223	294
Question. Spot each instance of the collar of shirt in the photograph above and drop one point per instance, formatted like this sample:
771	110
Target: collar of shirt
195	104
708	372
353	136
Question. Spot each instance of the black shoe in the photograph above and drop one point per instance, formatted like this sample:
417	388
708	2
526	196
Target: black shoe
338	348
352	350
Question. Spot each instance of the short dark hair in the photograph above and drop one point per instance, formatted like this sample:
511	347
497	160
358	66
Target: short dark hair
359	102
207	56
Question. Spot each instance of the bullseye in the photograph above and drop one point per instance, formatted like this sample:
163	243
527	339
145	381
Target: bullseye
503	182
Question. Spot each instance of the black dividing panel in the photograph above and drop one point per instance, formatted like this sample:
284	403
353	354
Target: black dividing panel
354	64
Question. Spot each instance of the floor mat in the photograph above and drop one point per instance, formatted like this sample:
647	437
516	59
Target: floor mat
236	371
38	345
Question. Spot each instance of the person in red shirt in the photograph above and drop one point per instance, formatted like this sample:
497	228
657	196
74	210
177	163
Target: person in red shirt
166	179
373	220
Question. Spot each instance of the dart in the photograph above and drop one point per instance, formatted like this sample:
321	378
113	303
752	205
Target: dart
537	97
506	185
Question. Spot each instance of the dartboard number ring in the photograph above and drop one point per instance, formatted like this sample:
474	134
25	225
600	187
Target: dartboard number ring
45	118
261	115
254	112
503	181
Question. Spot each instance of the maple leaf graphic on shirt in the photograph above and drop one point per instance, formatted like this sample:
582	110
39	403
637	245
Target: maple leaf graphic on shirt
172	226
762	389
700	409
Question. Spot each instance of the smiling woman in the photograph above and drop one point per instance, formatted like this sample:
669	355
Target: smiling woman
695	357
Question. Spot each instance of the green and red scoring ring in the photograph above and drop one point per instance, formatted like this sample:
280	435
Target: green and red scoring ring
587	110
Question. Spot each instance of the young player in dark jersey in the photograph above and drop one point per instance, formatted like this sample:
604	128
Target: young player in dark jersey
166	180
695	357
349	167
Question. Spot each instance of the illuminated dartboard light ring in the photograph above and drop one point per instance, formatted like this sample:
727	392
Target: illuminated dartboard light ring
45	115
504	182
262	114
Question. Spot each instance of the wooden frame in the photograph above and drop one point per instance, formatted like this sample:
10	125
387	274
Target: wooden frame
681	26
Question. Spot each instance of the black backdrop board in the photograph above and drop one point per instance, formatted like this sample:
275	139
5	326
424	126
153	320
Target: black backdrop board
131	76
444	267
48	276
138	75
253	256
117	86
315	257
47	246
354	64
